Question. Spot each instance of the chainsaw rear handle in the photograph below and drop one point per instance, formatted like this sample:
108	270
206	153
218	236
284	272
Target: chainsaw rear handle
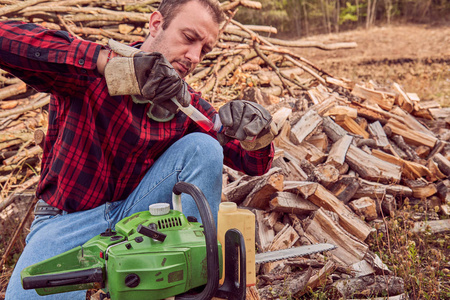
235	281
62	279
210	231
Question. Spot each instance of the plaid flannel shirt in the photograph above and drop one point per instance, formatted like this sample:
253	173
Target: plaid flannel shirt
98	147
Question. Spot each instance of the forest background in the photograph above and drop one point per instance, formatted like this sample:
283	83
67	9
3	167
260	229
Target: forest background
401	41
300	18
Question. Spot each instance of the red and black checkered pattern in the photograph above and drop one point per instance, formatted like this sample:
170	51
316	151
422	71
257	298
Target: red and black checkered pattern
97	147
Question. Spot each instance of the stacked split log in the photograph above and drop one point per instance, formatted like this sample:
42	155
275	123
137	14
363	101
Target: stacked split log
347	154
21	118
342	164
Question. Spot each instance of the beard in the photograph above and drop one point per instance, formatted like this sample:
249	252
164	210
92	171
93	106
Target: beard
158	45
187	66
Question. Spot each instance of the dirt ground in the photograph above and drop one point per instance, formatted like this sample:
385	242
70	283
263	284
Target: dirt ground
415	56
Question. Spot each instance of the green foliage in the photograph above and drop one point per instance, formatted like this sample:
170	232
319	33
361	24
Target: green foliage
349	13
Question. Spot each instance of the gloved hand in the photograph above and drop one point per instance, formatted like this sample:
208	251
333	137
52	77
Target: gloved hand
244	120
149	76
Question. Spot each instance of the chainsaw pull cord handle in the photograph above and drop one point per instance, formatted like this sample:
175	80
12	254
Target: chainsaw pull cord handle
209	227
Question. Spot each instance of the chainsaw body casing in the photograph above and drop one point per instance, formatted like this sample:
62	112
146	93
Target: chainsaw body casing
133	265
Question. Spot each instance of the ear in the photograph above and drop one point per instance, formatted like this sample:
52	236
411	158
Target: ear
155	23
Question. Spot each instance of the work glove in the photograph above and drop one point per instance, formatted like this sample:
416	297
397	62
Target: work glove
148	77
248	122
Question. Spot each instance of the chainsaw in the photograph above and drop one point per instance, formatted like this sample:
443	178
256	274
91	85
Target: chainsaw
157	254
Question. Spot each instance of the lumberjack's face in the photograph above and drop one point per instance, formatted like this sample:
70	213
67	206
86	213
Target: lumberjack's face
189	37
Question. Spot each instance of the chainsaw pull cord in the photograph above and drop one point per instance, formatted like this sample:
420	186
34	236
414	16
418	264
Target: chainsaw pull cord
209	227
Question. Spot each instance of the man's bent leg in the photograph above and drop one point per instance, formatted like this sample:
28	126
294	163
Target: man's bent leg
53	235
196	158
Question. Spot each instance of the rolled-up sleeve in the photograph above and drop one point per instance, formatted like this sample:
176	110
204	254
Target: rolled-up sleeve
252	163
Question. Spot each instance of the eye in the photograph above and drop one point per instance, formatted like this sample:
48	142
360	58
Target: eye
188	38
206	50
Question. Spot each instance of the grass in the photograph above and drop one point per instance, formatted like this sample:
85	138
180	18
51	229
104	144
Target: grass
421	259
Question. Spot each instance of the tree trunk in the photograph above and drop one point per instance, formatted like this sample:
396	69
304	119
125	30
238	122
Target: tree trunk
327	13
326	21
338	10
388	4
306	18
371	9
373	14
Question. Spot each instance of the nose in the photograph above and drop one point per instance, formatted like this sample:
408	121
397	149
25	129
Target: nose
194	53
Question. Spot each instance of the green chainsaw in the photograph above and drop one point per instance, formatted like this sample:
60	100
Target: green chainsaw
156	254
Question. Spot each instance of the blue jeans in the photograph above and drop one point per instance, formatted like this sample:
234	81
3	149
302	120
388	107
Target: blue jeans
196	158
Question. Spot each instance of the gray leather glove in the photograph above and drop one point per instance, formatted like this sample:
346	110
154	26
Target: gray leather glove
248	122
149	76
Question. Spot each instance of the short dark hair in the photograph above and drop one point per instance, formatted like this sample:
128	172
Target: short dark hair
170	8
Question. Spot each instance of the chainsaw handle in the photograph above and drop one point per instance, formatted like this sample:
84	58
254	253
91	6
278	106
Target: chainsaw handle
62	279
209	227
235	281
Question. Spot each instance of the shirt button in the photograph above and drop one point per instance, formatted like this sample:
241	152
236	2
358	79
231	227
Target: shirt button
37	54
81	61
145	126
83	71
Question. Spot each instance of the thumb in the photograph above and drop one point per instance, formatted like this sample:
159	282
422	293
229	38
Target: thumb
223	139
183	96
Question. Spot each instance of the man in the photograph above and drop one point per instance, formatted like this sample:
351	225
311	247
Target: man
115	142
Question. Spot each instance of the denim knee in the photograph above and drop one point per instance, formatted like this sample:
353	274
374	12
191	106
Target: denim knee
206	147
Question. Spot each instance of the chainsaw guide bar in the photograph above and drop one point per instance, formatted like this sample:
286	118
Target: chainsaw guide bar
270	256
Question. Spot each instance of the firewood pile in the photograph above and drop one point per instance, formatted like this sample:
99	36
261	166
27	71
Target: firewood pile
347	154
